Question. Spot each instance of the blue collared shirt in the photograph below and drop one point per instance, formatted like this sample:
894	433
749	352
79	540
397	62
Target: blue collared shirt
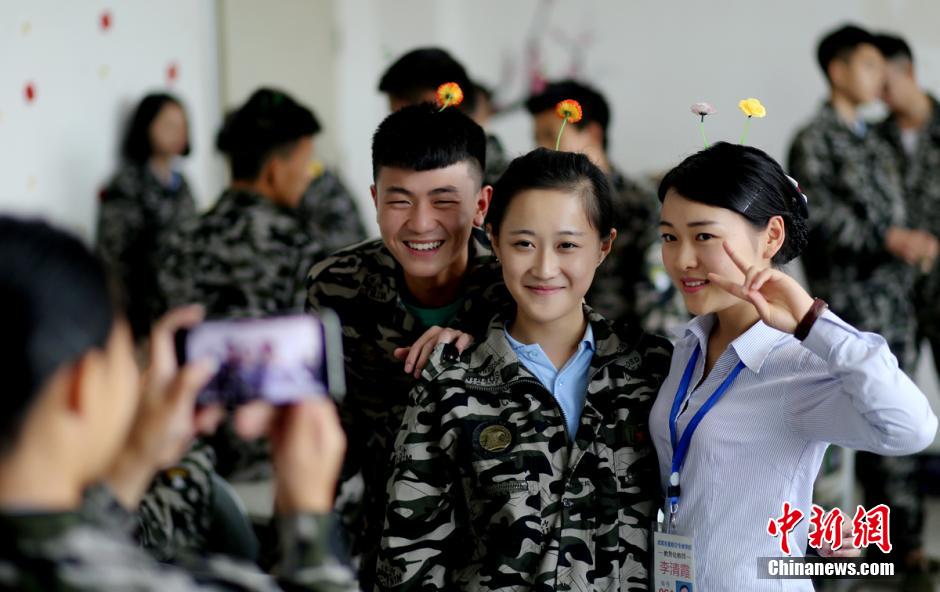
568	385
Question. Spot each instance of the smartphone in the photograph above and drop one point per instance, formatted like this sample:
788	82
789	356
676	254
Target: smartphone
279	359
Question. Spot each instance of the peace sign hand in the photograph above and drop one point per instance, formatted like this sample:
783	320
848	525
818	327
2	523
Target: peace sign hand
779	299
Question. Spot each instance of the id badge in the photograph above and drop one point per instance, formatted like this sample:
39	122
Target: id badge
673	564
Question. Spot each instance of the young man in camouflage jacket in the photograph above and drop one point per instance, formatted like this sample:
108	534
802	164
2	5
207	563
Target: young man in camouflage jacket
430	268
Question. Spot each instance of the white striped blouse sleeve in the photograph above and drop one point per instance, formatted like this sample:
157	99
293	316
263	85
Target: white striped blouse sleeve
864	401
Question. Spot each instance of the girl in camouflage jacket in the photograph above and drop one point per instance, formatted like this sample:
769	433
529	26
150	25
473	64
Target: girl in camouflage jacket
508	473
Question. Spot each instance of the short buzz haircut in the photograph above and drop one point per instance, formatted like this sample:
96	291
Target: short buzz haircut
423	138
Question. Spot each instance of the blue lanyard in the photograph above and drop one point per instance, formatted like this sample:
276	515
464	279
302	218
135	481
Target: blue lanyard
680	446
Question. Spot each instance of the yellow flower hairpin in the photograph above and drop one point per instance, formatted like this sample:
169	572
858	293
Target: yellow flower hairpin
449	94
751	108
570	111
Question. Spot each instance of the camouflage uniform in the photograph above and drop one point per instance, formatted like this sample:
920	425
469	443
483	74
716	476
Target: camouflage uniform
174	517
903	481
364	285
921	173
855	193
330	214
91	550
136	215
490	492
631	285
246	257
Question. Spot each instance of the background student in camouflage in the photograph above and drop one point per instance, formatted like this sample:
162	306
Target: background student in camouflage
430	268
248	255
913	132
75	413
862	252
413	79
527	464
245	257
625	289
147	200
329	211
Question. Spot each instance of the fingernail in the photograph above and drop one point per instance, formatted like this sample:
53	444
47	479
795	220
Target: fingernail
407	367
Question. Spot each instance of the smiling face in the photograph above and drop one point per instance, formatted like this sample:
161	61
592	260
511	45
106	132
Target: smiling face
426	217
549	252
693	234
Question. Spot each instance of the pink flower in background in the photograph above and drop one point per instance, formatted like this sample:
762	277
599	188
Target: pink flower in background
702	109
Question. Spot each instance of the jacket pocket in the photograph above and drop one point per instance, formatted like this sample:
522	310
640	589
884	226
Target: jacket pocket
504	506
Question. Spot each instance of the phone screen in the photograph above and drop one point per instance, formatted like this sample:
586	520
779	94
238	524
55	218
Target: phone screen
276	359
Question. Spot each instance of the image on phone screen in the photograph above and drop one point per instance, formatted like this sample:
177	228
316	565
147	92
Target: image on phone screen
277	359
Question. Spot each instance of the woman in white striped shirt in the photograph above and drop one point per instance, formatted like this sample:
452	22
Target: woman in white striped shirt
790	376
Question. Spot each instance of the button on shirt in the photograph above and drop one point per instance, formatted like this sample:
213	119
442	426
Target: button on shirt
568	385
762	444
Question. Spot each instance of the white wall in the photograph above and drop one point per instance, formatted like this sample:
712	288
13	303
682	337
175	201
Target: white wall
288	45
651	59
57	152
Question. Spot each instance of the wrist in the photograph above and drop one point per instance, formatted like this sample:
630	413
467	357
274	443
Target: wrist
816	310
129	479
311	499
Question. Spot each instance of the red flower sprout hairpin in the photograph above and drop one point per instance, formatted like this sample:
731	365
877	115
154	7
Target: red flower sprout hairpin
449	94
570	112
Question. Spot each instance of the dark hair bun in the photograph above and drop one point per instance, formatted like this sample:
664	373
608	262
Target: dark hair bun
748	181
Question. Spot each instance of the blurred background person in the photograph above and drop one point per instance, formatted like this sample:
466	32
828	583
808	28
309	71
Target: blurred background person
145	201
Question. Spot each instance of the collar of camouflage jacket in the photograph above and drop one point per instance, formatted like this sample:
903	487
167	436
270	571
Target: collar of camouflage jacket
241	199
828	120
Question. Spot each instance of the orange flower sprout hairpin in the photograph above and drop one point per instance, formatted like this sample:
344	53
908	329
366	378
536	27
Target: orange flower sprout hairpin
570	112
449	94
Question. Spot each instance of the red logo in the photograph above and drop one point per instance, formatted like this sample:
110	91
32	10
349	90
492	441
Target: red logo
870	527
